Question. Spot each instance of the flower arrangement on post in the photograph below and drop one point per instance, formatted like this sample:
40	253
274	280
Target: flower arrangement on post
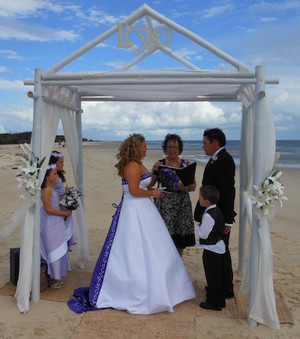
28	178
28	175
70	200
268	193
168	179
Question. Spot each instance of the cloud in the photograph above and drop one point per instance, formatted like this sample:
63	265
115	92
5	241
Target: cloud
39	8
98	17
11	55
216	11
279	6
208	13
11	85
285	95
2	129
25	114
267	19
270	43
13	8
123	118
187	53
114	121
19	30
92	16
25	8
13	24
16	120
115	64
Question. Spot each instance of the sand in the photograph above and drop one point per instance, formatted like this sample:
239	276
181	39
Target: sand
53	319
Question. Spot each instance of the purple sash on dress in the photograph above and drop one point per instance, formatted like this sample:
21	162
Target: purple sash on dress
85	298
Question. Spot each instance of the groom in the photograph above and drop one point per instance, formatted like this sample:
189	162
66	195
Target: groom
220	172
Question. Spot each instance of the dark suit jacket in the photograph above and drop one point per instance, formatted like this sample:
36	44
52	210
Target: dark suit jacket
220	173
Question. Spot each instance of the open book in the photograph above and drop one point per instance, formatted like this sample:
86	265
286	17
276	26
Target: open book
185	174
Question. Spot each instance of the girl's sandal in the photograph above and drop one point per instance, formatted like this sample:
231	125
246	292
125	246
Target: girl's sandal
56	284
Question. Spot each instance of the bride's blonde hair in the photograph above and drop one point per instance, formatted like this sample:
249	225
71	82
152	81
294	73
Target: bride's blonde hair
130	149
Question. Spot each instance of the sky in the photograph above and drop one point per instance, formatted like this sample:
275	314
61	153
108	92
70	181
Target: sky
37	34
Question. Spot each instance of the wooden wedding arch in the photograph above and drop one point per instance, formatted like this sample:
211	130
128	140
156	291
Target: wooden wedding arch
57	92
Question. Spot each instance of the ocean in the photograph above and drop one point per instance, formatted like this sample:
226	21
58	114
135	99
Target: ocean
289	151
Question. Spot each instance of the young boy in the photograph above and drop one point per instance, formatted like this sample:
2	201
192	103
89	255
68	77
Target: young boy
211	232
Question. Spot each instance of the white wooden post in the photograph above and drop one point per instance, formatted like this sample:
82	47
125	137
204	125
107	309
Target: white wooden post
243	188
36	148
258	176
80	156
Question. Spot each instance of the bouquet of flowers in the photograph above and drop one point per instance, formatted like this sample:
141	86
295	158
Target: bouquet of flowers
70	200
269	192
168	179
28	174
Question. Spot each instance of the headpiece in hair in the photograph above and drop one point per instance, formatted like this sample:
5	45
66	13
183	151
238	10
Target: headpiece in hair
58	154
53	166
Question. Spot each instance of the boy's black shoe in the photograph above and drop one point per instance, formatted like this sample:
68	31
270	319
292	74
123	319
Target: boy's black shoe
208	306
229	294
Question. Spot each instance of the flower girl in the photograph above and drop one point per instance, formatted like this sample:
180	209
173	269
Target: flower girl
57	159
53	232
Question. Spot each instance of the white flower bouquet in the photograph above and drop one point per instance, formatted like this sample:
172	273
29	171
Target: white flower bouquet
70	200
268	193
28	174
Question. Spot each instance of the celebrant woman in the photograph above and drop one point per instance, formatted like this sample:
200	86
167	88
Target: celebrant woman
139	269
175	204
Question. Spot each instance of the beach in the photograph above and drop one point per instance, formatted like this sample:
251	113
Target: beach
102	188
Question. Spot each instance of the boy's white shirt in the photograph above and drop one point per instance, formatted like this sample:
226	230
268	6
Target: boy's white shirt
204	230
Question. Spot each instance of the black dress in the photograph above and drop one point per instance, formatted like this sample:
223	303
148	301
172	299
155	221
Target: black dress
176	210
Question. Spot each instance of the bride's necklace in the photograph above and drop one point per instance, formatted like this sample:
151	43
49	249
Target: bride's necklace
173	164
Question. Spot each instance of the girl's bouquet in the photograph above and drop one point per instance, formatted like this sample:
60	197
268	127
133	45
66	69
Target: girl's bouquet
70	200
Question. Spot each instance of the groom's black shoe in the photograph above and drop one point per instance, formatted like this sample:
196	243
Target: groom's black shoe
208	306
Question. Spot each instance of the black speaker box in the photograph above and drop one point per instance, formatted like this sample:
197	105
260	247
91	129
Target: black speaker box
14	264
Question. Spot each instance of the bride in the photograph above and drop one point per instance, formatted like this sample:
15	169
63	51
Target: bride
139	269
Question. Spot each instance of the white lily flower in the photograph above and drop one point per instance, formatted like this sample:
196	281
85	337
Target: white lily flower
277	175
28	175
31	182
24	160
26	148
31	169
278	187
270	191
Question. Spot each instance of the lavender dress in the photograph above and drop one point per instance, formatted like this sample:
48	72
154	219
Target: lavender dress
54	245
60	189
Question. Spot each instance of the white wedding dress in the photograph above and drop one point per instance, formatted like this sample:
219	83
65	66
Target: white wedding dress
139	269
